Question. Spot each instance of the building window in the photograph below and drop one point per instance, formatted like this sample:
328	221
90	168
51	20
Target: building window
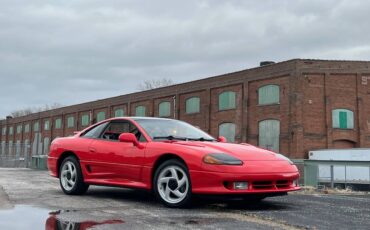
19	129
269	94
164	109
3	131
192	105
269	134
27	128
36	126
119	113
228	131
85	120
58	123
47	125
140	111
11	130
227	100
342	119
70	122
46	145
100	116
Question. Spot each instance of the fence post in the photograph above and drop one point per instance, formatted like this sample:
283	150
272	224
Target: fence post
332	176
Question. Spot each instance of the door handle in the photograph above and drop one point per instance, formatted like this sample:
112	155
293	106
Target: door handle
92	150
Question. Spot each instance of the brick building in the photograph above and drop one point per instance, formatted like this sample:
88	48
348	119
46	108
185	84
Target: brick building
290	107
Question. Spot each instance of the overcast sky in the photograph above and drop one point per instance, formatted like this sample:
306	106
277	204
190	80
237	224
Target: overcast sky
73	51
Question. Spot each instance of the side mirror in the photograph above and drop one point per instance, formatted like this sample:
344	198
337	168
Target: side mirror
130	138
221	139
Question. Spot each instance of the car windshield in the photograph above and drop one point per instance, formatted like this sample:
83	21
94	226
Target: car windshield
159	129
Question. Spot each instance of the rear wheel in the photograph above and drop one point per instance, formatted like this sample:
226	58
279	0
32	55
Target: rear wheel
70	177
172	184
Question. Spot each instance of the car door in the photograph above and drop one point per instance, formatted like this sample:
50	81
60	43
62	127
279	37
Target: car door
119	161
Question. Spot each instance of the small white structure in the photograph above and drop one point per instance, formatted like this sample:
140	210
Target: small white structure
342	166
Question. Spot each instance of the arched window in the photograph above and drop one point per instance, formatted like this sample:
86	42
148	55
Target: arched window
192	105
85	120
342	119
140	111
269	134
119	113
269	94
228	131
227	100
164	109
100	116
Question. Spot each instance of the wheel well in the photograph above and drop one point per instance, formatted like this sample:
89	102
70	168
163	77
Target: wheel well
64	156
163	158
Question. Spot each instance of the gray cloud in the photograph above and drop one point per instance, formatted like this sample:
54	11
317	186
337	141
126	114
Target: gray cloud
75	51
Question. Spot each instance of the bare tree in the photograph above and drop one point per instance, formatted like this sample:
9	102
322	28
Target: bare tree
152	84
29	110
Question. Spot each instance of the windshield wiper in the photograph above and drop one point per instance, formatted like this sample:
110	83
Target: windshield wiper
201	139
170	137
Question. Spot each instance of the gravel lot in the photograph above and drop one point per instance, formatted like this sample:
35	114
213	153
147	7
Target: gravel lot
36	197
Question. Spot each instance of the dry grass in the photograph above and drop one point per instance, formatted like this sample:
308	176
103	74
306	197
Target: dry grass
325	190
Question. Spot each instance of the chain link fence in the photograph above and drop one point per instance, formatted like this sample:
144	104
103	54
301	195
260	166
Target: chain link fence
15	155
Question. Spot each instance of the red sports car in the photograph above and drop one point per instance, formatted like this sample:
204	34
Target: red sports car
170	157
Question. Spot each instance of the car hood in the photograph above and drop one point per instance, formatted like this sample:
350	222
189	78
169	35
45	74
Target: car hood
244	152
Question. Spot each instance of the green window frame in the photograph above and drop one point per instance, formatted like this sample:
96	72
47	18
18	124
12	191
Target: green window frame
140	111
269	134
70	122
3	131
227	100
192	105
227	130
85	120
58	123
11	130
46	125
164	109
119	113
27	128
36	126
342	119
100	116
19	129
268	95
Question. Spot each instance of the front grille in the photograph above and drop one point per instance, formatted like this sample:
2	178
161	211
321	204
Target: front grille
263	185
282	184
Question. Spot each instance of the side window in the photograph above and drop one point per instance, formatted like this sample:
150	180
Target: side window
115	128
95	132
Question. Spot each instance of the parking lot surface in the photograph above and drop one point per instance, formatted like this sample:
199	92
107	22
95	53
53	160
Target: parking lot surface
32	199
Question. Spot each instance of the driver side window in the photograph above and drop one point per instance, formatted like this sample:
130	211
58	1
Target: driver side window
116	128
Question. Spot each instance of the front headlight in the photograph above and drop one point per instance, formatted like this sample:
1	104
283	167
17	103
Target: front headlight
281	156
221	159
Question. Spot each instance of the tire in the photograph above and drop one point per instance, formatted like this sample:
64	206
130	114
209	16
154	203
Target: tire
70	177
172	185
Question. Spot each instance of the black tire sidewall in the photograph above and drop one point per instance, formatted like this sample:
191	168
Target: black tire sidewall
185	202
79	187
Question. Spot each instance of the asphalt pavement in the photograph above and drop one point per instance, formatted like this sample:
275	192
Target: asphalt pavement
31	199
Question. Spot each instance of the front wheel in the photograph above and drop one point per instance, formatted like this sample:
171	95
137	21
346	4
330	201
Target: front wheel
70	177
172	185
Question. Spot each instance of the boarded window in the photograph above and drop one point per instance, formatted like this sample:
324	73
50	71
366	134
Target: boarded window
228	131
58	123
140	111
227	100
342	119
192	105
46	145
100	116
70	122
119	113
269	94
164	109
19	129
36	126
11	130
269	134
47	125
3	131
27	128
85	120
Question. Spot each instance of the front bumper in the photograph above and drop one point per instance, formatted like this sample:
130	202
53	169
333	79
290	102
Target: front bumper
205	182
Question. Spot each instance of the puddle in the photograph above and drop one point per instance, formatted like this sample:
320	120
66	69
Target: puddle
28	217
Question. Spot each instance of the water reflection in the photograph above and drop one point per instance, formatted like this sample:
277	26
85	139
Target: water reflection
28	217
